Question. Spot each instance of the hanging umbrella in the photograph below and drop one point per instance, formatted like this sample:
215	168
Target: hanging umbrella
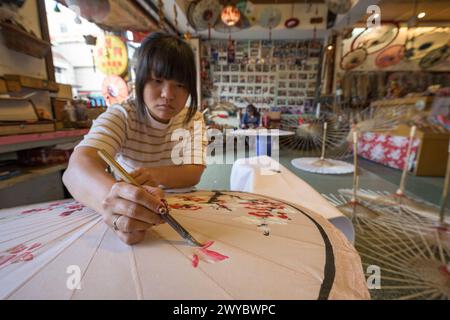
425	43
435	57
248	239
353	59
390	56
376	39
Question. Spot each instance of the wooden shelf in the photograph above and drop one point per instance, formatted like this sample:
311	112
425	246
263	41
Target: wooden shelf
19	40
30	174
28	141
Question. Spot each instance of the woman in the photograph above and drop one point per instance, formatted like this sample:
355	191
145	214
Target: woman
139	134
250	120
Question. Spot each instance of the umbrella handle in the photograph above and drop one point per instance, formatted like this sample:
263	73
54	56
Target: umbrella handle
445	190
401	189
324	140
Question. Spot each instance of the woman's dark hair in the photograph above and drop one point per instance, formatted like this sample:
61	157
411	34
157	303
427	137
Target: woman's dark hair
252	108
168	57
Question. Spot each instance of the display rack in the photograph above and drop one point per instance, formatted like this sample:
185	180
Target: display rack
279	74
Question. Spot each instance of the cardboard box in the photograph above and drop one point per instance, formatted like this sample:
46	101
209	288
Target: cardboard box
64	92
58	108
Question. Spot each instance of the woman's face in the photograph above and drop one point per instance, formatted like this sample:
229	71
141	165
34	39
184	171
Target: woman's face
165	98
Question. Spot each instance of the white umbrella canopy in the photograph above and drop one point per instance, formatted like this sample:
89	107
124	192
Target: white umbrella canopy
259	248
323	166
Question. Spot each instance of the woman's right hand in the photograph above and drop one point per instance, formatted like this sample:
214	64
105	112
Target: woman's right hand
131	210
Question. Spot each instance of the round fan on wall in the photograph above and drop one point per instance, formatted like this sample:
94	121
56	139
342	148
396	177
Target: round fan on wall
434	57
270	17
427	42
353	59
339	6
114	89
205	13
189	15
376	39
390	56
248	11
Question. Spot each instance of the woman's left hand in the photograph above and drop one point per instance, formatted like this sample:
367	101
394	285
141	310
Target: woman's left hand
144	176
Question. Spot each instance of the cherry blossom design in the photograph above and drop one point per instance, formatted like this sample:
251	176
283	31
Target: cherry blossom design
265	212
184	206
68	207
19	253
206	255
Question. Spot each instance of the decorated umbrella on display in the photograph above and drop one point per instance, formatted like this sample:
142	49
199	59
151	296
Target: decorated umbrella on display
353	59
421	45
376	39
390	56
435	57
44	247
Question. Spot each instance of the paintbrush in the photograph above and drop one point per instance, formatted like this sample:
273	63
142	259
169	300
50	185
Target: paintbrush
163	209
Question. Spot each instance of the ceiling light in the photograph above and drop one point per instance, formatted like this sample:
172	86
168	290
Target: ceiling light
421	15
330	47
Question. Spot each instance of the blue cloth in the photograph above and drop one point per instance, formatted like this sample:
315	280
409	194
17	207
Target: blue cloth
249	121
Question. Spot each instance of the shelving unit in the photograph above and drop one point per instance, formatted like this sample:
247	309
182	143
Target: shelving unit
281	75
30	174
28	141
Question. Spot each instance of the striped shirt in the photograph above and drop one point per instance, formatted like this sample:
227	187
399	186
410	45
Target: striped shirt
138	142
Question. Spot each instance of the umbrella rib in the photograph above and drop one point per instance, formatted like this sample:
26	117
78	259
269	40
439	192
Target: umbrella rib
91	258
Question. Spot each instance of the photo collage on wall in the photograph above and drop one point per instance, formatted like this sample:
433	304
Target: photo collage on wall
269	74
